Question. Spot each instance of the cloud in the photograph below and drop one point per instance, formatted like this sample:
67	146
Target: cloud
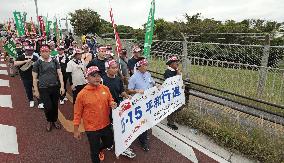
135	12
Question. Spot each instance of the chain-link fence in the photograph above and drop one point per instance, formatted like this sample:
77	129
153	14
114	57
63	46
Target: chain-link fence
235	68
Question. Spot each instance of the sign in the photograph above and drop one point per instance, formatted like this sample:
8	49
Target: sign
143	111
19	23
10	48
149	31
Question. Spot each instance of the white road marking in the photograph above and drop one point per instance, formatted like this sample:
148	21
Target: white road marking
4	83
167	135
174	143
3	72
8	139
3	65
6	101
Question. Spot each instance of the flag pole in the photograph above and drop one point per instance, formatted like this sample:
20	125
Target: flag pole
37	17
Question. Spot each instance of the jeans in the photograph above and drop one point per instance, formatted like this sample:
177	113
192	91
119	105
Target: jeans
50	97
98	141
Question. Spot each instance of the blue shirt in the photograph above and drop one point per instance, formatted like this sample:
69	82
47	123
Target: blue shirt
141	81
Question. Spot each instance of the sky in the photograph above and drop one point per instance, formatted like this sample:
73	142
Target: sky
135	12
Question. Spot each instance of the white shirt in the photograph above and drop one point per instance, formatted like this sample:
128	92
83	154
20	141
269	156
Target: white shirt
77	72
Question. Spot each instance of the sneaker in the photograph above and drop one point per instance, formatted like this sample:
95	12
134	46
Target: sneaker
101	155
61	102
110	148
129	153
172	126
40	106
145	147
65	99
32	104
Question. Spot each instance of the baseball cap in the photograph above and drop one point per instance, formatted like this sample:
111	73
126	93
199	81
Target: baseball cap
110	63
172	59
92	70
142	61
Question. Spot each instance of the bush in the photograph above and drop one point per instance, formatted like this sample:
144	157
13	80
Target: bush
253	143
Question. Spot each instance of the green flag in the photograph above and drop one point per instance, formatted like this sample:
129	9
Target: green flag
55	28
149	31
10	48
48	25
19	23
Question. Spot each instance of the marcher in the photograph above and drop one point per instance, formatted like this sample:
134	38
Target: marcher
123	69
24	62
138	83
46	73
115	85
52	46
172	70
87	56
63	60
93	105
75	71
100	60
132	61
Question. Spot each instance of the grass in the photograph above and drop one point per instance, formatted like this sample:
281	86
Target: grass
240	81
253	143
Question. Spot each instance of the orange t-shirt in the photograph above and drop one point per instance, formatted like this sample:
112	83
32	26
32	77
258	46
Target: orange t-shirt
93	106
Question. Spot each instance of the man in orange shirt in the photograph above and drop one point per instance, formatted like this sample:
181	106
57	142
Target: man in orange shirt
93	105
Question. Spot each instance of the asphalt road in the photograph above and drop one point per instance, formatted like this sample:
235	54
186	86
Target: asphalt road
35	145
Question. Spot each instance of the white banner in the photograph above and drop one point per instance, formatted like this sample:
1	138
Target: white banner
142	112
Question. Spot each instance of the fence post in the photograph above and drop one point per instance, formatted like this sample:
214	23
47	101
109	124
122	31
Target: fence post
185	63
263	69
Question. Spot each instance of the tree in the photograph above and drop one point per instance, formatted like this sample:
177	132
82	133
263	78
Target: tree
86	21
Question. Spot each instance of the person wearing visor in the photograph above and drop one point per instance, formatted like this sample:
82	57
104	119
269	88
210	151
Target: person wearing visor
95	114
115	85
87	56
172	70
63	60
46	73
75	71
24	63
135	58
100	60
53	52
138	83
122	61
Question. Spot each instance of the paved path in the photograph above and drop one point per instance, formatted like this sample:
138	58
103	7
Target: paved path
23	138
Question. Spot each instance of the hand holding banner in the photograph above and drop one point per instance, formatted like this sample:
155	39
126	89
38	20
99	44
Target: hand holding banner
142	112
